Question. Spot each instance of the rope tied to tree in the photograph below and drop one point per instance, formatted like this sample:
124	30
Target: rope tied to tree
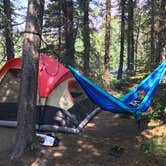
37	34
40	36
33	33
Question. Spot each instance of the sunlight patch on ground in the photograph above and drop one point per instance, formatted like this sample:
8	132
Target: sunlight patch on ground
57	154
47	154
88	147
155	123
62	147
80	142
39	162
79	150
155	132
91	148
91	125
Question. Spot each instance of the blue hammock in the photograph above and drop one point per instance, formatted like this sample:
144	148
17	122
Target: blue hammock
121	105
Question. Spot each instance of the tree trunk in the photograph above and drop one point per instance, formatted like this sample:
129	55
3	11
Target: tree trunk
60	29
130	38
120	70
8	29
86	36
137	38
107	36
28	89
69	41
161	52
152	44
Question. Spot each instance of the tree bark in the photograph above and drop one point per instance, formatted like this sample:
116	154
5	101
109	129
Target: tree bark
8	33
152	44
28	89
69	37
130	38
137	38
86	36
107	36
161	33
60	29
120	70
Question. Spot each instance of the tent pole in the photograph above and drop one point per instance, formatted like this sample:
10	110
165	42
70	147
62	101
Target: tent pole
55	127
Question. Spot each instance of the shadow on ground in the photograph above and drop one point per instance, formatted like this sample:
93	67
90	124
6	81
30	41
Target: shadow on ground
91	147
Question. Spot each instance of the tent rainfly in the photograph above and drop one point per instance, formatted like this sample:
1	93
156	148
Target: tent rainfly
61	103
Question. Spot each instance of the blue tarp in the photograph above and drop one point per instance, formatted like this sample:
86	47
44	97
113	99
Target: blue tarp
121	105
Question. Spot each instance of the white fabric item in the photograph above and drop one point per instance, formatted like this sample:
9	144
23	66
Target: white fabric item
48	140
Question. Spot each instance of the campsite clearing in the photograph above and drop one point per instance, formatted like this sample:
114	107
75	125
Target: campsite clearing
91	147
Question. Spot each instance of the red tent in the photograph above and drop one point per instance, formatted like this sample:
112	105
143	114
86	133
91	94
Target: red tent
51	73
59	98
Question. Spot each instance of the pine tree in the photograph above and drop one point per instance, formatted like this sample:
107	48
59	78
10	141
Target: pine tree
122	38
8	32
107	36
28	89
130	37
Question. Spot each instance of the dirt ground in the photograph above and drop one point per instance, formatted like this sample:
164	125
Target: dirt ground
91	147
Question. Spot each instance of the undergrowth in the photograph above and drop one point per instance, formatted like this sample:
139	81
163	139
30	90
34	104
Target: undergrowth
155	146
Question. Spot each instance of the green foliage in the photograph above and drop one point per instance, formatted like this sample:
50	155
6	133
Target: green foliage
1	16
18	43
146	147
159	104
49	49
97	78
33	147
116	150
54	19
98	46
17	36
115	45
126	84
79	52
2	46
155	146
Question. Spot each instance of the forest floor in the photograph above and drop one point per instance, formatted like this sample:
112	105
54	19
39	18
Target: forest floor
93	146
108	140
